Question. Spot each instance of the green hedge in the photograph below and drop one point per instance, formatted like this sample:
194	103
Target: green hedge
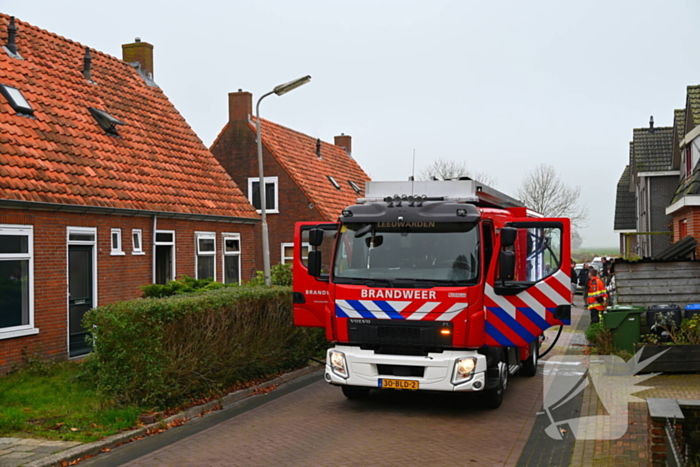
161	351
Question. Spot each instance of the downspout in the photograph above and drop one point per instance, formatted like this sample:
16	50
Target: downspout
153	266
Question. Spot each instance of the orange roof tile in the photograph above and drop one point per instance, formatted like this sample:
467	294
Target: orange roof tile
296	153
61	155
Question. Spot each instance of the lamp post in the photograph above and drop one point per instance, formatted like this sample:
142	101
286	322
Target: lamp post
279	90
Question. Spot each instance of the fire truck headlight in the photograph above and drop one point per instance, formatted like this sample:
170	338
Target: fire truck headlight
464	370
338	364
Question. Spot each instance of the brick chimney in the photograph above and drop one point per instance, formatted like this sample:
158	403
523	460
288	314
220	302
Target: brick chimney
240	106
345	142
141	52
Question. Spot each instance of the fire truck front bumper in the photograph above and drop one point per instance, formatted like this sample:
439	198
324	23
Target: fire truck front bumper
450	370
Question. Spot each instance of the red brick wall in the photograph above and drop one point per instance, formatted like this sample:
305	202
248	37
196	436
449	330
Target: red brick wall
118	277
236	150
692	215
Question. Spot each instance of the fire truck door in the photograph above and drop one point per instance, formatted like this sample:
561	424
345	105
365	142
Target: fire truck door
311	294
523	302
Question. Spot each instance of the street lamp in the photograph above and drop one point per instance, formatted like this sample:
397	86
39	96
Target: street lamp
279	90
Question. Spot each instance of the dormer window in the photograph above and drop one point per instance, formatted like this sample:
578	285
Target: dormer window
332	180
16	100
106	121
354	186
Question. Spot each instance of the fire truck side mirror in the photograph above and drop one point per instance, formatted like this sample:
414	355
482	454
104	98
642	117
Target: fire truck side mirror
506	263
314	263
315	237
508	235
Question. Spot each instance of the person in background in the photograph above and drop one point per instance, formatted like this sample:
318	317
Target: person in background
597	295
583	281
605	271
574	281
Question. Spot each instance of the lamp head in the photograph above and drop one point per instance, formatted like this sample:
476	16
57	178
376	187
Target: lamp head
290	86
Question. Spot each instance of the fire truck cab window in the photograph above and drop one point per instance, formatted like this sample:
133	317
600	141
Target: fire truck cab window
537	253
436	251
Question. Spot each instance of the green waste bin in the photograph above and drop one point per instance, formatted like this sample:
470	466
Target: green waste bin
624	322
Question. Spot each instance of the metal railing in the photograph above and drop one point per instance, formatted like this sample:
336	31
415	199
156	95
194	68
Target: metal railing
675	457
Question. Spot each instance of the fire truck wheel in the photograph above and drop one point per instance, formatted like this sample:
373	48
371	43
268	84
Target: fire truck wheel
355	392
529	365
494	397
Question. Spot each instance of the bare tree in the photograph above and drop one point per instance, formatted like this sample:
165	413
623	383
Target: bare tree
543	191
444	169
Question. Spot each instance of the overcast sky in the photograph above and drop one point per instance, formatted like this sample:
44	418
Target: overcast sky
503	85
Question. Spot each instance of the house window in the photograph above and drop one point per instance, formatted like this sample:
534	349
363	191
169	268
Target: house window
288	253
206	254
106	121
137	242
354	186
333	182
16	281
16	100
117	242
683	229
271	198
232	258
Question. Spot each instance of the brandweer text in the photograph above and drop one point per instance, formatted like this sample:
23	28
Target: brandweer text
393	293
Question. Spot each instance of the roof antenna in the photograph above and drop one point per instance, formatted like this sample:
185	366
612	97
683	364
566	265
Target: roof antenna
11	31
413	172
87	63
318	148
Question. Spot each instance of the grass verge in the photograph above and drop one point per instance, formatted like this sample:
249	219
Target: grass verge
51	401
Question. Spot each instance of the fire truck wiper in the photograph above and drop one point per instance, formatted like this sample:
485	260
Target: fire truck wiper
373	282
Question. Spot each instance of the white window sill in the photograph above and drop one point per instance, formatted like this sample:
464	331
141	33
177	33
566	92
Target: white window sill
138	253
18	333
269	211
117	253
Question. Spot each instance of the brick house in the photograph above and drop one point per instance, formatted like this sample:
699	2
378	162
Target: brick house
652	181
306	179
103	188
684	207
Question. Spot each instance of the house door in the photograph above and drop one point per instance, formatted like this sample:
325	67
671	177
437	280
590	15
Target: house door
165	260
80	296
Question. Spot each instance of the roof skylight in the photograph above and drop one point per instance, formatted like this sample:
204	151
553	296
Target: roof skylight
16	99
332	180
105	120
354	186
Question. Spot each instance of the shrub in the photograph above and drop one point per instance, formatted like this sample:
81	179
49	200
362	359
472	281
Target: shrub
280	274
159	351
600	338
185	284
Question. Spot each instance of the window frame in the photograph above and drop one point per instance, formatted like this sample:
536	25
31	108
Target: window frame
137	233
28	231
291	258
230	236
268	180
16	106
335	184
197	252
119	251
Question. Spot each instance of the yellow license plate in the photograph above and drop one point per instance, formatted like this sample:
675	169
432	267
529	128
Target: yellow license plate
398	384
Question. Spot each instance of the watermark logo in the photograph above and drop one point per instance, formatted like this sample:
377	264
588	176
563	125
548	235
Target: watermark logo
614	382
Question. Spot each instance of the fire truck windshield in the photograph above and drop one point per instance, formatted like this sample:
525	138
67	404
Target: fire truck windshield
437	252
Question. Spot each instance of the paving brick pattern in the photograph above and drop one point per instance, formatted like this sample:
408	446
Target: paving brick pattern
318	426
17	451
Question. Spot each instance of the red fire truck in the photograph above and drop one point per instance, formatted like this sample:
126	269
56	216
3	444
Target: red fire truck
432	285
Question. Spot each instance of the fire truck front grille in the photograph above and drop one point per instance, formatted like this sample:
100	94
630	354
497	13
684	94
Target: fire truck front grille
400	370
377	334
396	332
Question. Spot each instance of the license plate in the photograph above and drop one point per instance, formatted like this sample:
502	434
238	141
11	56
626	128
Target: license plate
398	384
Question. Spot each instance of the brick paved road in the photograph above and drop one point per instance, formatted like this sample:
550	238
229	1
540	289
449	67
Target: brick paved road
316	425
